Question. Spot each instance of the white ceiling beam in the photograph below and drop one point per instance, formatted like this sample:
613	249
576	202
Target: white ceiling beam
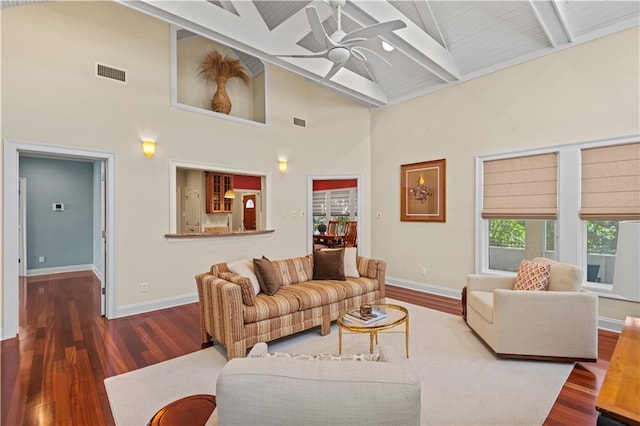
412	40
213	22
551	16
429	21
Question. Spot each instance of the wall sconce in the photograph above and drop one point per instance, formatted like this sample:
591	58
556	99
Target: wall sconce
282	165
149	148
421	191
229	194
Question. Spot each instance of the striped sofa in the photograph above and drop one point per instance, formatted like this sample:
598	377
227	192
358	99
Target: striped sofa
232	314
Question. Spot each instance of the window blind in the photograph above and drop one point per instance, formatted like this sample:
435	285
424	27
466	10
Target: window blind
340	205
521	187
319	203
611	182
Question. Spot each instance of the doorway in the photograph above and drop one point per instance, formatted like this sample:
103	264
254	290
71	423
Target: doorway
11	209
335	197
249	212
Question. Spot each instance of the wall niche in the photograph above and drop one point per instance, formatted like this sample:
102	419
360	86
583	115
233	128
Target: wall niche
193	93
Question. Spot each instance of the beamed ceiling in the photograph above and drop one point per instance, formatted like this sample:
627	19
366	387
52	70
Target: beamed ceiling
444	42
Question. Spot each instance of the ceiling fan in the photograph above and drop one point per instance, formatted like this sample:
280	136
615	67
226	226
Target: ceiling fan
340	46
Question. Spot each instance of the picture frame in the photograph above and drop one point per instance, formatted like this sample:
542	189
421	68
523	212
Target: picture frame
423	191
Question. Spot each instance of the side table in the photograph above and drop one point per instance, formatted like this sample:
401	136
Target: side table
192	410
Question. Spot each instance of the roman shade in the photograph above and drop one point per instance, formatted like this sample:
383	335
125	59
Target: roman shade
319	203
521	187
611	182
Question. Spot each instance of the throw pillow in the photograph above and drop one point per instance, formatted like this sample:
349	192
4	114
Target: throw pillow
244	267
328	265
269	280
350	261
350	264
532	276
319	357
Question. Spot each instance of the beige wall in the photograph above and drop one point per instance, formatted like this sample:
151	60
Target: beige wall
588	92
51	96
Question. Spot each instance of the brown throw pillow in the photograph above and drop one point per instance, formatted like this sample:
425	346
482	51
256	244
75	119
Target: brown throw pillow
267	277
532	276
328	265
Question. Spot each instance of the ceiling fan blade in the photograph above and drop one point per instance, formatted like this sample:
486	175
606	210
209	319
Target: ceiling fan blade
317	28
370	56
375	30
352	42
334	69
311	55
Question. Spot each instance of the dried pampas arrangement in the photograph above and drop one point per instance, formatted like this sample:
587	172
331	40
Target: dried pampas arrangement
219	68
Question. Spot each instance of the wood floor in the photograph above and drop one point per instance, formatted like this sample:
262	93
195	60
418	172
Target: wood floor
53	373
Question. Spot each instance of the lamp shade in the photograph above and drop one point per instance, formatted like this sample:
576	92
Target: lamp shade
149	148
626	275
229	194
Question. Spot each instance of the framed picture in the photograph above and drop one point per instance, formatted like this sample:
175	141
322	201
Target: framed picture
423	191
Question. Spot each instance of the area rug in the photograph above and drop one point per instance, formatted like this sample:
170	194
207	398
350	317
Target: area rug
463	383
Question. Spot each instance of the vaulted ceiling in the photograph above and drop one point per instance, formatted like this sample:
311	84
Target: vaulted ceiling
444	42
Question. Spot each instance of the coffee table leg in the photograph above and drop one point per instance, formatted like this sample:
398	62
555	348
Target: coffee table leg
406	335
339	340
371	336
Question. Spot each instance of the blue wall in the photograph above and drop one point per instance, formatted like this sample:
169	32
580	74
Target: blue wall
63	238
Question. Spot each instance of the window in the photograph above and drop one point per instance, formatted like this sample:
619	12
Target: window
520	205
596	222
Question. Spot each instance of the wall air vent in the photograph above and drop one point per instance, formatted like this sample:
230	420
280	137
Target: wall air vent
299	122
111	73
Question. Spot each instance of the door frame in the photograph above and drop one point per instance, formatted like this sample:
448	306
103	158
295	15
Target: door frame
310	179
12	151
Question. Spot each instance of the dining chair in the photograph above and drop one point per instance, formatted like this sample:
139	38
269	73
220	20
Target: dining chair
350	234
332	228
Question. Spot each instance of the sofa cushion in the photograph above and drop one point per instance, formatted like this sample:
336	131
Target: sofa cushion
563	276
244	267
312	294
294	270
482	303
319	357
266	307
267	276
328	265
532	276
358	286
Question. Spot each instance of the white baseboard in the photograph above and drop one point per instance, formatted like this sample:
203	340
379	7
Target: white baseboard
97	273
154	305
426	288
59	270
604	323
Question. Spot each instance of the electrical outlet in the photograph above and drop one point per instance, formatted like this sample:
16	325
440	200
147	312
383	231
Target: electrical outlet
41	259
423	271
144	287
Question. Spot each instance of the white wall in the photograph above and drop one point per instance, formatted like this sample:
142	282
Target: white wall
50	95
588	92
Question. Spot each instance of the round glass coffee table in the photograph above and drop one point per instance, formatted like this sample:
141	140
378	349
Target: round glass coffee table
396	315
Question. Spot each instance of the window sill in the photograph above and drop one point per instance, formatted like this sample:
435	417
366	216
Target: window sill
197	235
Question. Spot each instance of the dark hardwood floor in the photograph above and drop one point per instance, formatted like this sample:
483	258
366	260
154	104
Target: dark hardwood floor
53	372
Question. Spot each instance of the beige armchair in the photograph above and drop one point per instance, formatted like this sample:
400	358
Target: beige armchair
557	324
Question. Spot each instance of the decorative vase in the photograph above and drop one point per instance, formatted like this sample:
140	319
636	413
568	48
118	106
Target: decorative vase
220	101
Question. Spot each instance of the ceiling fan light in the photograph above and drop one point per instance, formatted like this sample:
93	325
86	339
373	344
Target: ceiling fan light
387	47
339	54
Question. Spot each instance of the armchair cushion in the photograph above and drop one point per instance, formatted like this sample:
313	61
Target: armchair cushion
532	276
563	276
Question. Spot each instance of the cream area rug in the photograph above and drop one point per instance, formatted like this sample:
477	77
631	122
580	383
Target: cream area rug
463	383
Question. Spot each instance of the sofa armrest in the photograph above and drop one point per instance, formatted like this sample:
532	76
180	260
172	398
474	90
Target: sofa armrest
560	323
476	282
220	309
373	268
